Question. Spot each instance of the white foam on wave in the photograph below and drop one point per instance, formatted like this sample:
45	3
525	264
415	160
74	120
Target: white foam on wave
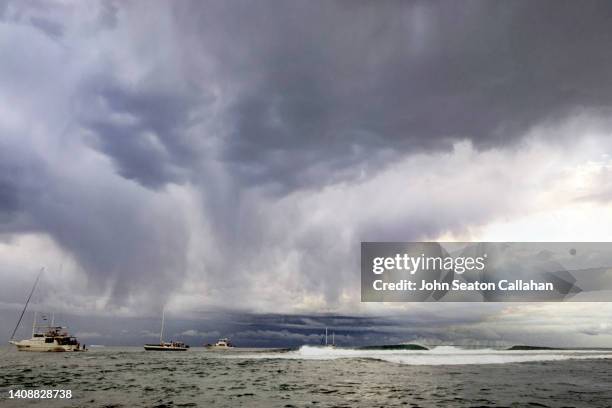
441	355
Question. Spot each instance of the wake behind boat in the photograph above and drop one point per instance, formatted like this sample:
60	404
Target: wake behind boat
164	345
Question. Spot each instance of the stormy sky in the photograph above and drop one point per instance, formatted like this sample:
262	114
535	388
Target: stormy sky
224	159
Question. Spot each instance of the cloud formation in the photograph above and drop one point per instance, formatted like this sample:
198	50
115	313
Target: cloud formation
233	155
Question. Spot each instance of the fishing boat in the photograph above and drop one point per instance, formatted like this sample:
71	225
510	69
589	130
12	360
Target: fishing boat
47	338
166	345
221	344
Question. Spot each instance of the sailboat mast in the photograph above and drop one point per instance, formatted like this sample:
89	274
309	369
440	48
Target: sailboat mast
27	302
34	324
326	336
333	338
161	333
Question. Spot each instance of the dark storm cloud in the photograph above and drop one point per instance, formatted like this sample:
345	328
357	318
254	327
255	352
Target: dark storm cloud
233	100
9	199
108	14
52	28
143	128
315	88
35	13
328	84
116	242
19	177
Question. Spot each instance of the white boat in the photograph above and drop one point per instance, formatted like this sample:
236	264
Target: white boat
221	344
166	345
45	337
53	338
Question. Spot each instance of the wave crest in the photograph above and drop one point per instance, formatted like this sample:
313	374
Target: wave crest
441	355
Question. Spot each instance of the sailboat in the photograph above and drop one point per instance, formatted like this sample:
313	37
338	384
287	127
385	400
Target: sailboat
333	343
45	337
166	345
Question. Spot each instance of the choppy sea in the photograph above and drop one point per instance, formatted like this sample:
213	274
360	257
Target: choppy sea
312	377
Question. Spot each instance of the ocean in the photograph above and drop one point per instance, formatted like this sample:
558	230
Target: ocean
311	377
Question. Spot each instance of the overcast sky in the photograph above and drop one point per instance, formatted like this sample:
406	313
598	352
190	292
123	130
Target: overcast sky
229	157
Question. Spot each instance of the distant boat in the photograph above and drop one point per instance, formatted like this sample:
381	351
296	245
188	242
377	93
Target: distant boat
167	346
221	344
164	345
326	344
47	338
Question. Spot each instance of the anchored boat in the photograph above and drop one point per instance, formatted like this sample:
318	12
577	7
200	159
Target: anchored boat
45	337
333	342
221	344
49	338
166	345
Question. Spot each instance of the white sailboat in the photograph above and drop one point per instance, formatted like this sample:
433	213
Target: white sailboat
166	345
45	337
333	343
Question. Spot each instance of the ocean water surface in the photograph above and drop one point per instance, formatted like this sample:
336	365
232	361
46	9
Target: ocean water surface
312	377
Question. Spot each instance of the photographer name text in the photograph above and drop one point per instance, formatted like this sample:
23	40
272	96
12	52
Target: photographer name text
457	285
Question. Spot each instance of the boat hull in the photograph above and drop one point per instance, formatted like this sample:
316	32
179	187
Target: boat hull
44	347
156	347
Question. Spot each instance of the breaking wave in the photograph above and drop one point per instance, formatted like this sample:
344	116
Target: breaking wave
441	355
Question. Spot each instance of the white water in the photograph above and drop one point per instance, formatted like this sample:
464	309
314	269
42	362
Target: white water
441	355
